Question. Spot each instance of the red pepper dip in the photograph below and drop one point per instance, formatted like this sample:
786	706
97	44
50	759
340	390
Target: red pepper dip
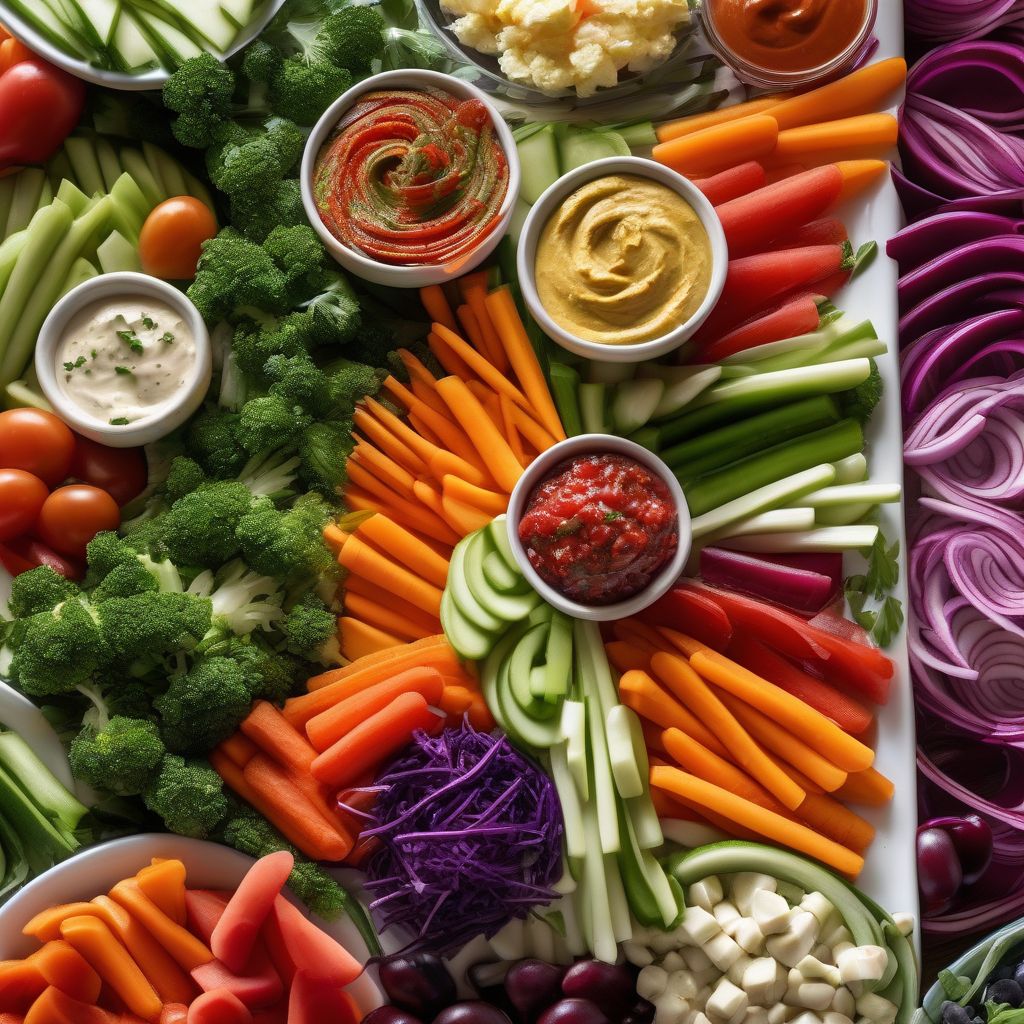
600	528
411	177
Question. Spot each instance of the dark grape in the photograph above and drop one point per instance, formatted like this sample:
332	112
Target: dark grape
533	985
1005	990
419	983
573	1011
939	874
390	1015
1018	974
641	1012
954	1013
474	1011
611	987
1001	973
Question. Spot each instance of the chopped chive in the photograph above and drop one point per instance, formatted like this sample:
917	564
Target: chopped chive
124	371
131	340
167	337
120	421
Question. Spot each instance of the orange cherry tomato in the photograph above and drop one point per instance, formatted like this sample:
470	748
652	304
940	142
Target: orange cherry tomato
22	497
171	240
71	516
38	442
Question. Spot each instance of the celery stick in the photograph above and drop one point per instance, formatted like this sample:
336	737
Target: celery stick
82	154
844	494
592	408
783	460
42	786
593	896
166	168
622	923
825	538
634	403
774	495
784	346
28	187
80	272
824	346
565	383
110	165
852	470
637	135
135	164
842	515
6	197
197	189
569	798
779	520
683	386
10	252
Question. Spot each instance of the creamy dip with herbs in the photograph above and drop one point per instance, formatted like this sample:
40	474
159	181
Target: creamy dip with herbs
121	358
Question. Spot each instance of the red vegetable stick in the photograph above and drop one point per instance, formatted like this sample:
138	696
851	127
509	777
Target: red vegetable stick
172	1013
731	184
257	984
204	908
693	613
219	1007
824	231
313	1001
319	955
753	221
236	932
790	320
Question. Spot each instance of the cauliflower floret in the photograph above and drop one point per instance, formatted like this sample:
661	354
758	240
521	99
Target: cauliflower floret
478	31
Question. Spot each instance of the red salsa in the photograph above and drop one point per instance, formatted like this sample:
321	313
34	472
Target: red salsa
600	528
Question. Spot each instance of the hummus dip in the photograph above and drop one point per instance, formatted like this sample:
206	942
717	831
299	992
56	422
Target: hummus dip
623	260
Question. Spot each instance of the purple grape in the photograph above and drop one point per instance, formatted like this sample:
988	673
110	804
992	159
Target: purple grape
1005	990
641	1012
533	985
419	983
939	874
474	1011
972	838
573	1011
611	987
390	1015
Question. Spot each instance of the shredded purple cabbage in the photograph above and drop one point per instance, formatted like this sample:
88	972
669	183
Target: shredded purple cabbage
472	837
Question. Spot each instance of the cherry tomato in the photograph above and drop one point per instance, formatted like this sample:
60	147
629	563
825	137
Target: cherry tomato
22	497
121	472
71	516
39	106
171	240
38	442
24	553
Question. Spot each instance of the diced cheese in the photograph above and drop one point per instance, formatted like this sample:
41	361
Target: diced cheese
862	963
725	913
797	941
672	961
682	983
811	995
637	953
706	893
905	923
739	969
831	1017
696	959
877	1008
833	935
764	981
722	951
748	936
816	904
755	1015
727	1002
778	1013
813	969
651	982
770	911
670	1009
807	1018
844	1003
700	926
745	884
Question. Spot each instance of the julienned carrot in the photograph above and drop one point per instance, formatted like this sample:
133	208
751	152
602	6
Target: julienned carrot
45	926
486	438
784	744
415	367
479	497
698	122
357	556
626	656
766	823
839	823
512	432
516	343
719	146
112	962
376	433
269	730
357	638
691	690
453	363
384	618
375	740
637	690
435	302
850	133
63	967
860	92
376	667
172	984
859	175
870	788
330	726
471	328
378	486
817	731
482	367
732	183
681	641
474	289
164	884
480	716
790	320
277	790
405	548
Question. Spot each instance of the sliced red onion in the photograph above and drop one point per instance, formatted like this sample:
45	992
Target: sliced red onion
942	20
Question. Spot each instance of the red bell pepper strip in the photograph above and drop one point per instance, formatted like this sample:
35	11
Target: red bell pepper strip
691	612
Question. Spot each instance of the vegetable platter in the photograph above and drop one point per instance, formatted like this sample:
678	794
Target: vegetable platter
451	515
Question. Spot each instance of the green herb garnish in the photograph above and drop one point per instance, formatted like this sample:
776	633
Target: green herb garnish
610	517
148	322
119	421
131	340
93	354
124	371
167	337
883	621
75	365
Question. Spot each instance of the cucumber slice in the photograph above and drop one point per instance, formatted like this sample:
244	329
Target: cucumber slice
574	729
520	664
851	470
645	820
80	272
173	44
19	393
538	156
627	751
98	19
592	407
51	23
498	574
622	922
10	253
635	402
206	24
604	785
28	188
468	640
129	47
239	12
498	529
530	732
594	901
504	607
165	169
462	595
198	189
554	684
491	669
579	146
683	386
75	198
110	165
135	164
116	254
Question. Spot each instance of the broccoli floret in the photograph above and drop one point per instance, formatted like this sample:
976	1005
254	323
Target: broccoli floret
120	758
39	590
351	382
286	544
151	626
859	403
203	707
126	580
270	421
260	61
199	529
353	37
212	440
303	90
257	341
299	254
57	650
297	380
241	600
270	675
257	215
335	309
324	449
115	692
184	476
374	343
188	795
248	160
310	624
104	553
271	475
200	92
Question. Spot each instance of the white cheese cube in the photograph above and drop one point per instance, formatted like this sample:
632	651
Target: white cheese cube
700	926
834	935
706	893
797	941
755	1015
670	1009
725	913
764	981
778	1013
727	1002
770	911
696	959
905	922
651	982
831	1017
722	951
748	936
843	1002
876	1008
811	995
707	977
637	954
862	963
807	1018
745	884
816	904
673	961
739	969
814	970
682	983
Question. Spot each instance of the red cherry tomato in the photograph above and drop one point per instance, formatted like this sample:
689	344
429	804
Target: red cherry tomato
22	497
39	107
71	516
24	553
36	441
171	240
121	472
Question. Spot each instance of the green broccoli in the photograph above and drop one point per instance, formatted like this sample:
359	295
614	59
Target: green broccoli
859	403
104	553
256	215
286	544
302	90
120	758
241	601
297	380
374	343
271	474
38	590
125	580
200	93
252	160
309	626
57	650
324	449
212	440
256	341
335	309
351	382
300	255
269	421
188	795
199	528
149	627
270	675
184	476
203	706
113	692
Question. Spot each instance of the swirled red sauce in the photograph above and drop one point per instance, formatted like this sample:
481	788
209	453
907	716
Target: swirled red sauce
600	528
412	177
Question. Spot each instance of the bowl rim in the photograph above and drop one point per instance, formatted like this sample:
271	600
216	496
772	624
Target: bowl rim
166	416
122	80
541	467
544	208
412	78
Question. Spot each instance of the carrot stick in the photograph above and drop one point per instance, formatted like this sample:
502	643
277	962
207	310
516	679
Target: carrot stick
639	633
523	360
377	434
626	656
859	175
637	690
732	183
790	748
405	548
112	962
455	702
386	619
453	363
364	479
416	369
45	926
478	497
410	513
839	823
357	638
692	691
374	740
375	667
357	556
475	293
21	985
172	984
860	92
330	726
758	819
471	329
334	537
723	145
435	302
424	625
484	369
870	130
533	433
272	733
490	400
511	431
817	731
427	393
723	115
164	884
480	716
464	518
63	967
868	787
398	478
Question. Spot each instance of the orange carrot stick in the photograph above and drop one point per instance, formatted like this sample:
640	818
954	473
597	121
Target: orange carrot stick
859	175
334	537
869	787
357	556
376	433
398	479
482	368
471	329
63	967
698	122
416	369
45	926
21	984
386	619
452	362
839	823
357	638
626	656
405	548
511	431
272	733
722	145
424	625
474	291
374	666
374	740
533	433
470	494
864	130
427	394
465	518
164	884
435	302
411	514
